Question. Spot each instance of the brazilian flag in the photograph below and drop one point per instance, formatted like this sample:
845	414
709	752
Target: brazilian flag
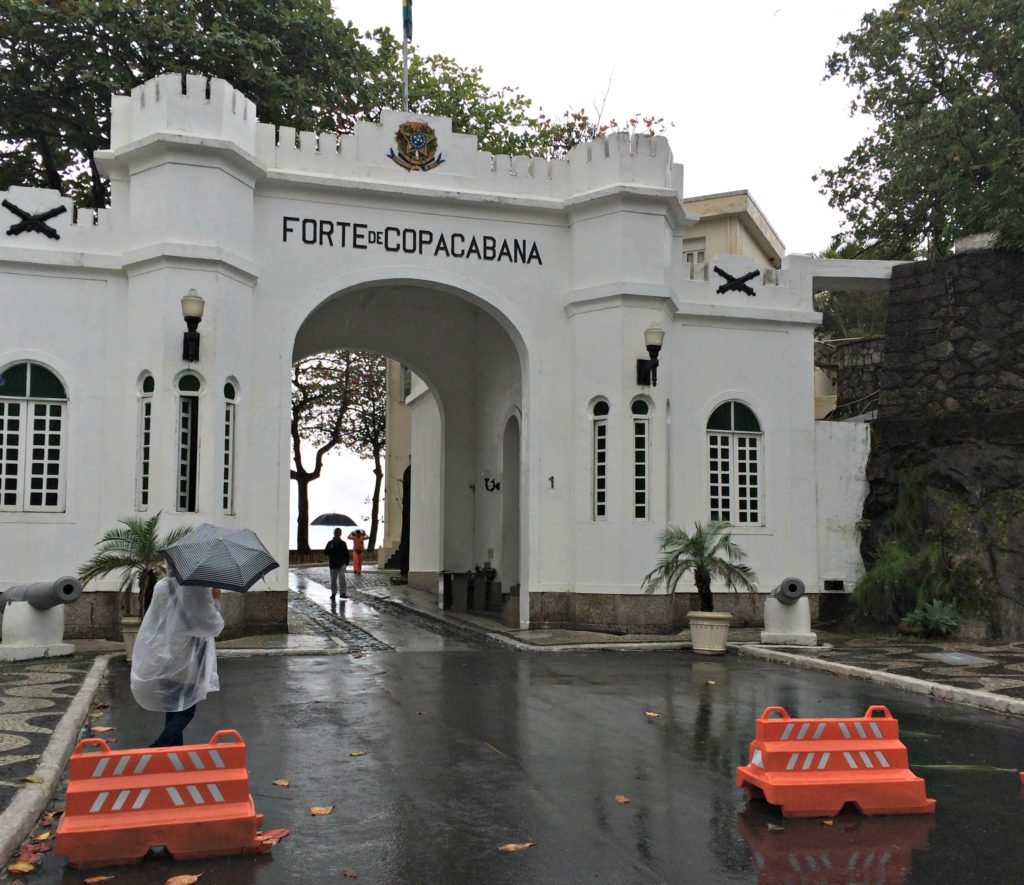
407	19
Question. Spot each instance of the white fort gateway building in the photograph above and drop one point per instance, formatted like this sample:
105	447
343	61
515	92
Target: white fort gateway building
518	291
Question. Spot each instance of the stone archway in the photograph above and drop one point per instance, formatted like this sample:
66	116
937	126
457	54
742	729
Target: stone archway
472	377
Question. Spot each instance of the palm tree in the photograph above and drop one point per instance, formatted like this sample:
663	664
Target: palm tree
134	549
709	552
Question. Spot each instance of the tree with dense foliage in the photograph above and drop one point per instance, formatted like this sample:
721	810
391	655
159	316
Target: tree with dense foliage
709	552
324	387
303	67
364	430
944	82
60	62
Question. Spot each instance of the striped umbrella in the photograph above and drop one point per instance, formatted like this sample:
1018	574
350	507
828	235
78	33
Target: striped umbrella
213	556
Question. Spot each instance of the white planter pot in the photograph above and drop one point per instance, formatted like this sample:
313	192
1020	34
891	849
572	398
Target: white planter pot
130	630
709	631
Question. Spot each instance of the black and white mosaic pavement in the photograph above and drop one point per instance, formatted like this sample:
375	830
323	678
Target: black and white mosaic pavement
997	668
33	697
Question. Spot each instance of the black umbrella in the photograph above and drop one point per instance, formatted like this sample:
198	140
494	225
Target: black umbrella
210	556
333	519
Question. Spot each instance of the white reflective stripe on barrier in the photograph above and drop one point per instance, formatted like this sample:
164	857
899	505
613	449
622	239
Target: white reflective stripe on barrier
792	761
98	802
845	731
197	797
143	762
215	756
176	762
819	730
122	764
880	756
196	761
875	729
756	759
175	796
101	766
824	761
215	792
141	800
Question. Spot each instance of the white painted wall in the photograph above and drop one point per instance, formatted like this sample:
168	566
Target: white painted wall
842	449
206	198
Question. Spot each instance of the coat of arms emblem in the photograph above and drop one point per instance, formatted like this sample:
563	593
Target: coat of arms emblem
417	147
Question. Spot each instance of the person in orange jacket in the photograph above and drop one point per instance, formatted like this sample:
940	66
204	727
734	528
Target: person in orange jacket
358	539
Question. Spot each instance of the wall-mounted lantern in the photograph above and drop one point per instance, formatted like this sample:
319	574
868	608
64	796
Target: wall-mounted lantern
647	370
192	305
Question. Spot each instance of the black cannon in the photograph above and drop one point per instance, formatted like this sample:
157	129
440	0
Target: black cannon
43	595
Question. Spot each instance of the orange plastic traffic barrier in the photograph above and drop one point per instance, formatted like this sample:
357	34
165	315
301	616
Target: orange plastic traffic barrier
813	767
192	800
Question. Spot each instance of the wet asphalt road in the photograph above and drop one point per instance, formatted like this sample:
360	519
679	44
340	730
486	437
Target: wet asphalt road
469	750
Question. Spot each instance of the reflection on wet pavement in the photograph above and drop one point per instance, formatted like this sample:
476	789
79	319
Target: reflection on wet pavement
398	632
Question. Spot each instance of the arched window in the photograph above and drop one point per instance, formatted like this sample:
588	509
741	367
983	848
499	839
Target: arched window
189	386
33	438
599	486
735	456
227	490
641	458
145	441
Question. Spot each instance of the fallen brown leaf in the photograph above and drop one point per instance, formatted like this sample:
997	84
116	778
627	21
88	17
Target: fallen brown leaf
183	880
622	800
651	714
103	728
282	782
100	705
92	880
711	682
350	874
42	837
320	809
20	867
775	828
358	753
828	822
516	846
95	714
33	778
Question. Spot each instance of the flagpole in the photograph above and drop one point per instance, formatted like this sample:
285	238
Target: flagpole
405	75
406	37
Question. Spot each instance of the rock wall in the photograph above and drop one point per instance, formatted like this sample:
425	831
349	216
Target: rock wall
951	416
857	368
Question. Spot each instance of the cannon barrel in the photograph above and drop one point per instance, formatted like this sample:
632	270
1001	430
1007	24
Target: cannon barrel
789	591
43	595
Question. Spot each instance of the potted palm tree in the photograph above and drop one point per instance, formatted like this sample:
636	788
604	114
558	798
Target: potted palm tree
709	553
133	548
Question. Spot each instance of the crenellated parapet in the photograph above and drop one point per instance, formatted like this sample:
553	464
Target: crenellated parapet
366	155
183	105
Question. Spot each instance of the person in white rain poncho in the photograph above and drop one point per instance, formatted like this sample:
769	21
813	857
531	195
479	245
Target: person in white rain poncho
174	664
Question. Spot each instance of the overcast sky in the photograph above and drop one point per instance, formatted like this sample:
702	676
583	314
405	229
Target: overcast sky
741	80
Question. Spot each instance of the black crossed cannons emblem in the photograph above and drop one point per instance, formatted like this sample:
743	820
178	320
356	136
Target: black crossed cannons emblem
30	222
735	284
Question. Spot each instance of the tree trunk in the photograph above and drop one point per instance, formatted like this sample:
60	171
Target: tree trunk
302	527
702	579
378	478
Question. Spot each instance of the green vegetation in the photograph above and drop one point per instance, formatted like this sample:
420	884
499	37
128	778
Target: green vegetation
931	548
935	618
943	82
709	552
133	549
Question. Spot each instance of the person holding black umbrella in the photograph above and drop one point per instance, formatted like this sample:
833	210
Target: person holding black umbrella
337	560
174	664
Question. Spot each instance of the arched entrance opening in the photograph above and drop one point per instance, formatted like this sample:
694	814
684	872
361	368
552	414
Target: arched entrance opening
469	360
